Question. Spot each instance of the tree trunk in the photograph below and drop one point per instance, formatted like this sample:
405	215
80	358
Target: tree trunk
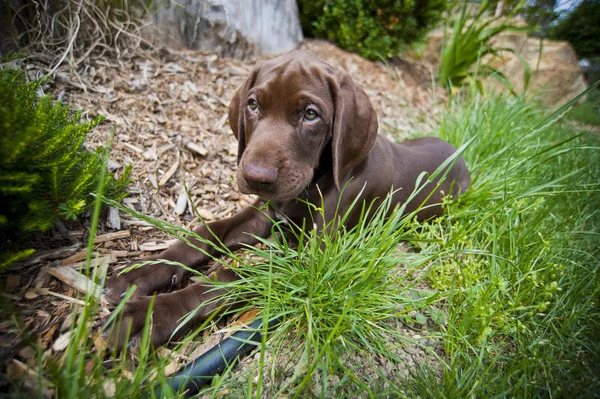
231	28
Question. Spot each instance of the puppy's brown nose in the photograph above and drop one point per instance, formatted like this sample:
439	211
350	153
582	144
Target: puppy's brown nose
260	177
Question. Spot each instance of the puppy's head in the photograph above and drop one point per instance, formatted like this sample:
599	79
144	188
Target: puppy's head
286	113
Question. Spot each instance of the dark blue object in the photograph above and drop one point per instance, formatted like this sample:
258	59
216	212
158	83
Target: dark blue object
201	370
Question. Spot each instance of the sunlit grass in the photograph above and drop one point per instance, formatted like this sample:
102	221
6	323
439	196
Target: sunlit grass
517	257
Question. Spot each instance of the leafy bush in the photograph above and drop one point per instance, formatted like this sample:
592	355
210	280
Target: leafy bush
581	28
463	48
46	174
371	29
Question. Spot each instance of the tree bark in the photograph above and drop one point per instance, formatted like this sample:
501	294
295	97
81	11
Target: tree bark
231	28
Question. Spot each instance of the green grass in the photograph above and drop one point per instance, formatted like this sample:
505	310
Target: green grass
517	258
507	281
587	112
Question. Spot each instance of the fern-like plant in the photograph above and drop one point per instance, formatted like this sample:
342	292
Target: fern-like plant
469	41
46	174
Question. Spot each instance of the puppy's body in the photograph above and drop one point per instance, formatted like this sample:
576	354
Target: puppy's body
304	130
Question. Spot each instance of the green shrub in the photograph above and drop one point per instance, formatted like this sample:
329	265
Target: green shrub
46	174
371	29
581	28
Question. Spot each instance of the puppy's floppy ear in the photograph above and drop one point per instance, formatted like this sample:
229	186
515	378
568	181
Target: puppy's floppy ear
236	110
354	127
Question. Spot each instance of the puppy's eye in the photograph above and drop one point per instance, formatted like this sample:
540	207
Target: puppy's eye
253	105
310	115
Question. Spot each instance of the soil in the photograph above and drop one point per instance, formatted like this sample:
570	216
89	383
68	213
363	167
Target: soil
169	114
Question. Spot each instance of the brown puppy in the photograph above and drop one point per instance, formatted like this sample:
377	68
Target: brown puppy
302	127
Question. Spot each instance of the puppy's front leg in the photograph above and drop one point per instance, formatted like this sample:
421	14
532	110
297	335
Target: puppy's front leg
233	232
169	310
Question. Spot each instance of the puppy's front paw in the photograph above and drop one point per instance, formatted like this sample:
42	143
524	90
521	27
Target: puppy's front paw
147	279
130	328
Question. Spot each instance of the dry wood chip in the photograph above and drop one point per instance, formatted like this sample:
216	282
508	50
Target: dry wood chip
43	314
100	344
89	367
133	147
114	219
31	294
169	173
45	291
205	214
165	148
182	200
48	334
118	254
112	236
232	149
62	342
101	263
131	200
53	254
127	374
137	222
109	387
222	121
157	245
150	154
19	371
226	212
172	368
98	261
77	257
246	318
73	278
26	353
237	71
153	181
197	148
76	234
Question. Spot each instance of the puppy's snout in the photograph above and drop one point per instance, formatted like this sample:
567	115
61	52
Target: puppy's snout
260	177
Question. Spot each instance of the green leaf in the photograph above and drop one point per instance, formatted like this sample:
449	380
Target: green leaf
420	318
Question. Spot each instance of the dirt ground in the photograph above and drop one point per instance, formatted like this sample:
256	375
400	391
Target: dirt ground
169	113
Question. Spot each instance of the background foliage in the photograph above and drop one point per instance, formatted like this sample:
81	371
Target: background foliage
46	174
581	28
371	29
467	40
